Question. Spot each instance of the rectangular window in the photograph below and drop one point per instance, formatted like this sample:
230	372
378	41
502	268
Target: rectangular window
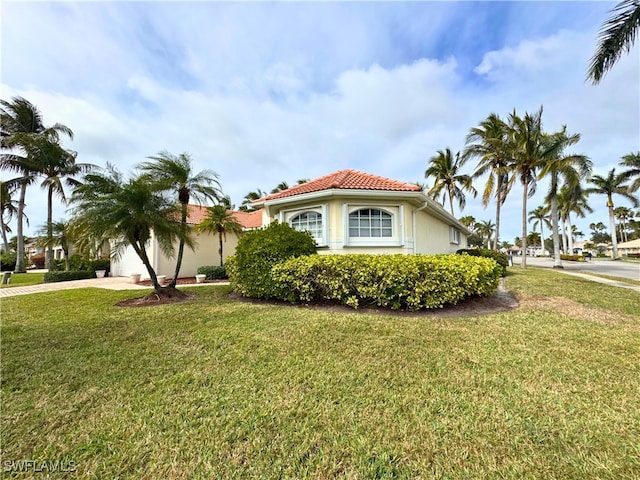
454	235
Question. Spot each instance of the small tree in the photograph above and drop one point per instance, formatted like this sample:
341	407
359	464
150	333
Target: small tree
221	221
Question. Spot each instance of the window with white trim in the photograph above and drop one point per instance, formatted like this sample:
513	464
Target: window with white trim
454	235
370	223
308	221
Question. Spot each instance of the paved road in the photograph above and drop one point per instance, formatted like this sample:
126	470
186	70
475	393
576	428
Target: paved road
618	268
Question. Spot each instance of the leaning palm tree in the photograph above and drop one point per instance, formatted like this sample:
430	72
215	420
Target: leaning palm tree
540	216
20	120
612	184
489	143
128	213
448	181
220	220
175	173
616	36
568	169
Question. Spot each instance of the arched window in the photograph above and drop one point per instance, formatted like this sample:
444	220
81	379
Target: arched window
369	223
308	221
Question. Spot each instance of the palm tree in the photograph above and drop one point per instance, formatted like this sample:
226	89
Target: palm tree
221	221
444	168
20	120
58	233
175	173
572	200
280	187
540	216
54	163
612	184
623	214
616	36
489	142
485	228
8	209
570	169
632	160
127	213
249	198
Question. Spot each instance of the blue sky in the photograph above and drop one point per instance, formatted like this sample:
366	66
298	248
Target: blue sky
266	92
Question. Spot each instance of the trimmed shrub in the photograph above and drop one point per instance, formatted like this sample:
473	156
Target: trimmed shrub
213	272
407	282
37	260
258	251
52	277
572	258
501	258
100	264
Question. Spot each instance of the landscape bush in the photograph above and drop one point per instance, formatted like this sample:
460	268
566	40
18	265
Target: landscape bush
407	282
213	272
8	261
500	258
573	258
54	276
249	269
37	260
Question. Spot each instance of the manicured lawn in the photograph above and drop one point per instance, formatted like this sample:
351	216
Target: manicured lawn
217	388
22	279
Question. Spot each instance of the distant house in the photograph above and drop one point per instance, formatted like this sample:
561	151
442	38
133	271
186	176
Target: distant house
353	212
206	251
625	248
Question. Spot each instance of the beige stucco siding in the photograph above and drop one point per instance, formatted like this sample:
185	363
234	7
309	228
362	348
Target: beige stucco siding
432	235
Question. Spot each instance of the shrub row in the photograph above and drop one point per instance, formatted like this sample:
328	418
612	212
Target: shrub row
500	258
408	282
572	258
51	277
213	272
249	269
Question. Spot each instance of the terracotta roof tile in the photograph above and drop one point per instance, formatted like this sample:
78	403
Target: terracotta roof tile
248	220
346	179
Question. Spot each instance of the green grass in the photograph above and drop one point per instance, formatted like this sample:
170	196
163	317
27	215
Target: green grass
611	277
217	388
23	279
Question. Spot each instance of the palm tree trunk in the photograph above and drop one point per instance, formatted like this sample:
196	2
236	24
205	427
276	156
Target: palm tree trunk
20	267
183	224
3	229
140	249
451	202
525	194
570	234
220	250
557	261
542	237
49	253
498	201
612	222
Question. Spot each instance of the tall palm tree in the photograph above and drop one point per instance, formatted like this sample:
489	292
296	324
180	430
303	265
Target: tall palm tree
527	142
489	143
540	216
616	36
612	184
632	160
568	169
20	120
175	173
249	198
448	181
221	221
571	201
280	187
485	228
127	213
623	214
58	233
54	163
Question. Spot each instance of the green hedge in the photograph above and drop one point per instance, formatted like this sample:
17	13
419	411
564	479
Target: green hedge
249	269
500	258
51	277
572	258
213	272
408	282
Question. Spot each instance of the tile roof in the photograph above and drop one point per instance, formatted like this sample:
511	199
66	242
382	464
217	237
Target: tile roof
248	220
346	179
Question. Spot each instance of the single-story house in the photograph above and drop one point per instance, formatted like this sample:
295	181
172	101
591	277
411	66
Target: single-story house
353	212
625	248
206	251
346	212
